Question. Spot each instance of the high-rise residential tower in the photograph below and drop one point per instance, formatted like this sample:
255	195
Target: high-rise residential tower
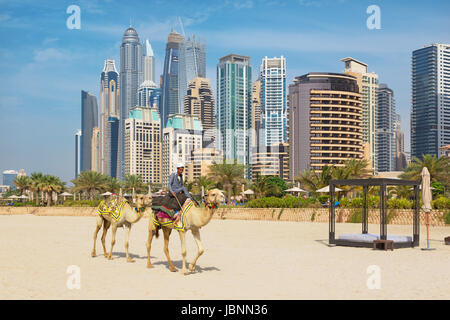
89	120
147	87
368	84
143	144
430	113
256	114
170	99
182	135
199	102
192	64
109	108
234	109
77	153
401	160
273	100
131	76
386	146
325	121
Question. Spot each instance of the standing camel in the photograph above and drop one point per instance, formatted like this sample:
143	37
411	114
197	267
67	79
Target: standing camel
128	217
195	218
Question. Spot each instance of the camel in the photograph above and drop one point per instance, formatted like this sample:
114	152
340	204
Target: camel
129	216
195	219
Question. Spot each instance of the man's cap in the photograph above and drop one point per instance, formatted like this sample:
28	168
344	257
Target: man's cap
180	165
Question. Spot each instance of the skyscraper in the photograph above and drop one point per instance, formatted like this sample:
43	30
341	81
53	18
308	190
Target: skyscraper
109	108
170	100
192	64
386	146
95	150
325	121
148	85
256	114
368	84
401	157
143	144
430	113
89	120
77	153
273	100
234	109
199	102
131	76
182	135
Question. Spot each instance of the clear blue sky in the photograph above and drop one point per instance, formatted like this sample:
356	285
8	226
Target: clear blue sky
44	66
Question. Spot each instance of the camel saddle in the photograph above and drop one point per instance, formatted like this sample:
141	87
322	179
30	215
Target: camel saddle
178	220
168	204
112	206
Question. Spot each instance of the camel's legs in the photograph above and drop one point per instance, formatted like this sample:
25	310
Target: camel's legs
113	239
126	243
183	250
196	234
167	232
97	228
149	246
106	225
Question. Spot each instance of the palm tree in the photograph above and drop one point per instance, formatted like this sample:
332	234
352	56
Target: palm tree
90	182
228	174
314	180
202	181
136	182
439	169
113	185
37	183
50	185
23	183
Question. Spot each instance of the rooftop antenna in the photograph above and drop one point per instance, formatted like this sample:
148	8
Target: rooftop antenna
130	22
181	25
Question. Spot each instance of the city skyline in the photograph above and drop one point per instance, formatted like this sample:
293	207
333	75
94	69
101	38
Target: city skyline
57	51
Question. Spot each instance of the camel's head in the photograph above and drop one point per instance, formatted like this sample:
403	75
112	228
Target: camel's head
144	200
215	196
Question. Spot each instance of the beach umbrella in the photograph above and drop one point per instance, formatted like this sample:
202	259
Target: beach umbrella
14	197
295	189
65	194
426	200
327	189
249	191
23	197
107	193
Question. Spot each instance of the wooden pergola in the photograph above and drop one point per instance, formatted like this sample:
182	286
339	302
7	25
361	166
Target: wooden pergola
366	183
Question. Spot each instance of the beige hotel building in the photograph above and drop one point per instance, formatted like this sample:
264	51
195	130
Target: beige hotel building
325	121
143	144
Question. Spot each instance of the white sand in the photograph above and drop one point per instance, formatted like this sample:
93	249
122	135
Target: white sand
243	260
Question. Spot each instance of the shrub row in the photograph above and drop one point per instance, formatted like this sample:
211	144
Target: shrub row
286	202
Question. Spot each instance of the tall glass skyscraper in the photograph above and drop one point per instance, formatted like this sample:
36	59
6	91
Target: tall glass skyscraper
109	108
273	100
131	76
234	109
171	103
148	86
192	64
89	120
386	122
430	113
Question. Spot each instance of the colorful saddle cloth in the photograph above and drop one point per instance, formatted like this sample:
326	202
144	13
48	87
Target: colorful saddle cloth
163	219
113	206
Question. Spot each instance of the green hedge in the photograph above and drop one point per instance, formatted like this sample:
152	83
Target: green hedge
286	202
81	203
441	203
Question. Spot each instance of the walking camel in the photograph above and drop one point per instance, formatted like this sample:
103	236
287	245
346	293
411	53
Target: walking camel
129	216
195	219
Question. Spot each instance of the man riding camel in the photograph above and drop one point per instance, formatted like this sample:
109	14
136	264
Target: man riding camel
176	185
177	193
